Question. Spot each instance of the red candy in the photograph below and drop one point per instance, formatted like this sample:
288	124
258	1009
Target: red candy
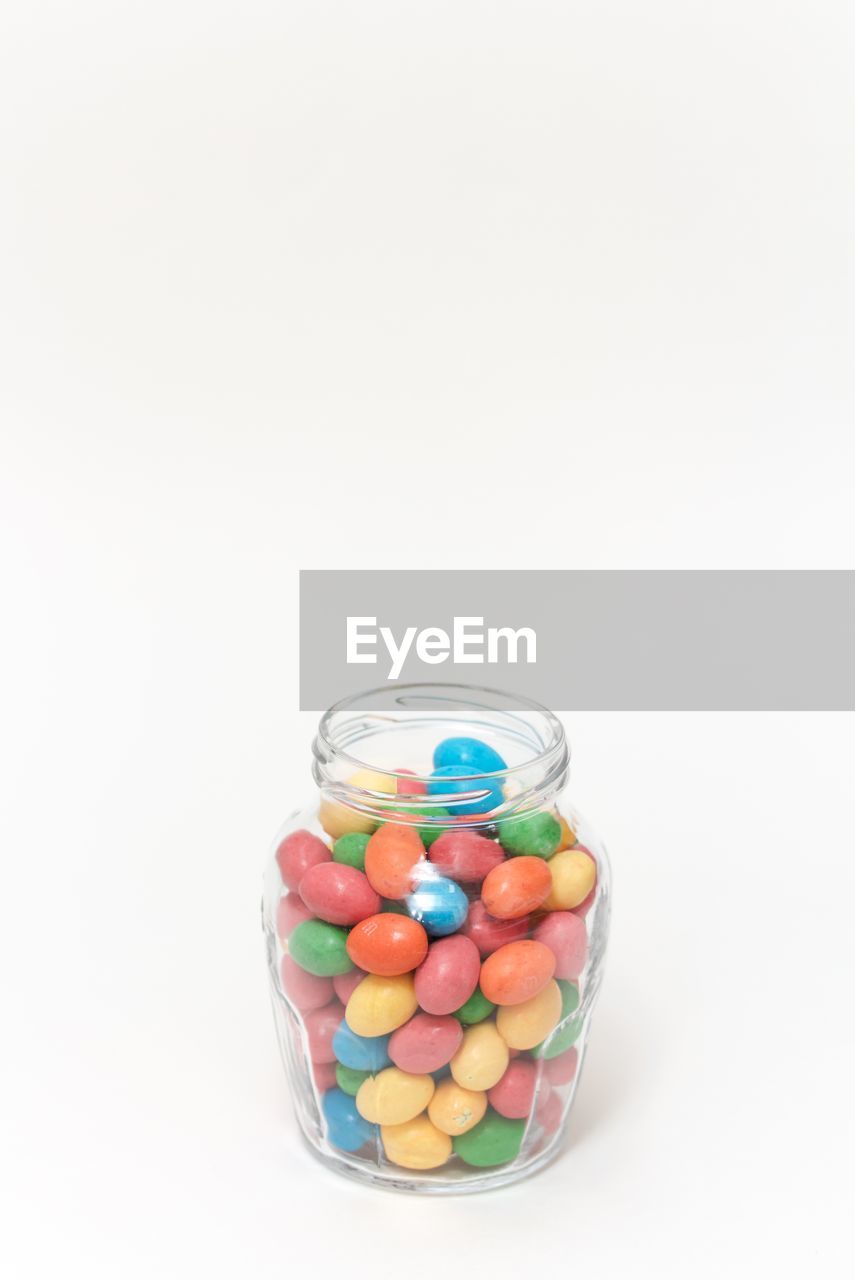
517	887
513	1095
562	1070
338	893
291	910
297	852
390	858
449	975
565	934
345	984
488	933
517	972
303	989
321	1026
387	944
425	1043
324	1074
406	787
466	856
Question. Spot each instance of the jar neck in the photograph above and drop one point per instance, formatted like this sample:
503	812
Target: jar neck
379	745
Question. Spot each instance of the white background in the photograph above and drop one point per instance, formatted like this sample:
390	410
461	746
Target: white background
390	284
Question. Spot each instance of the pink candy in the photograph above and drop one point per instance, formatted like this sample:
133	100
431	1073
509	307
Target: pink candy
291	910
346	983
562	1070
303	989
447	977
297	853
338	893
321	1026
465	856
565	934
488	933
513	1095
425	1043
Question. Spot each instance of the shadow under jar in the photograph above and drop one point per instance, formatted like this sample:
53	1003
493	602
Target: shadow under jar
436	920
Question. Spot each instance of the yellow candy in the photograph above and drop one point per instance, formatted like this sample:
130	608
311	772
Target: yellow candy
336	819
574	874
380	1005
393	1097
568	835
415	1145
522	1026
454	1109
482	1058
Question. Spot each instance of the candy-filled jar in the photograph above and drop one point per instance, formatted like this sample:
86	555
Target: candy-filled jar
436	921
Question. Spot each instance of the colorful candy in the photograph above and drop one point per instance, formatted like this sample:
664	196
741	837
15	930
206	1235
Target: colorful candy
338	894
454	1109
513	1096
345	984
475	1009
380	1005
455	780
536	835
416	1144
426	1043
495	1140
488	933
516	888
567	938
439	904
469	753
574	873
569	1027
394	1096
517	972
448	976
522	1026
387	944
482	1058
361	1053
321	1026
346	1128
465	856
350	849
349	1079
320	948
290	911
391	856
304	990
296	853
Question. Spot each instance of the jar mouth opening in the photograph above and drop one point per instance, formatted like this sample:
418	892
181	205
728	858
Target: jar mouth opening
529	736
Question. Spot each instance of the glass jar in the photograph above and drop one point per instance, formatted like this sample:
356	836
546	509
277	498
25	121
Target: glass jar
436	920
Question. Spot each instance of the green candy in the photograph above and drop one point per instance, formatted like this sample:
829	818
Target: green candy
391	907
349	1079
476	1009
350	849
494	1140
319	948
537	835
566	1033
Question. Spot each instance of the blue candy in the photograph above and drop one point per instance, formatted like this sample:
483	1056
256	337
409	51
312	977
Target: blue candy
346	1128
445	782
362	1053
470	753
439	905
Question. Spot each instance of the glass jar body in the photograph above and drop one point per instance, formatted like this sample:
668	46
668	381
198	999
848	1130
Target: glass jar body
476	901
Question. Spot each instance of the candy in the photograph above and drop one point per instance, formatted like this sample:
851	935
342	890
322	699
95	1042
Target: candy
569	1027
449	975
297	852
567	938
513	1096
465	856
346	1129
323	1074
439	904
303	989
516	888
482	1058
561	1070
338	819
475	1009
391	856
338	894
574	874
455	1110
350	849
291	910
517	972
430	831
469	753
417	1144
346	983
568	835
380	1005
426	1043
488	933
537	835
522	1026
348	1079
362	1053
410	785
387	944
495	1140
320	948
453	780
321	1026
394	1096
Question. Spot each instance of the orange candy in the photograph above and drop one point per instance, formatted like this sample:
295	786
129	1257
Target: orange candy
390	856
516	888
517	972
387	944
